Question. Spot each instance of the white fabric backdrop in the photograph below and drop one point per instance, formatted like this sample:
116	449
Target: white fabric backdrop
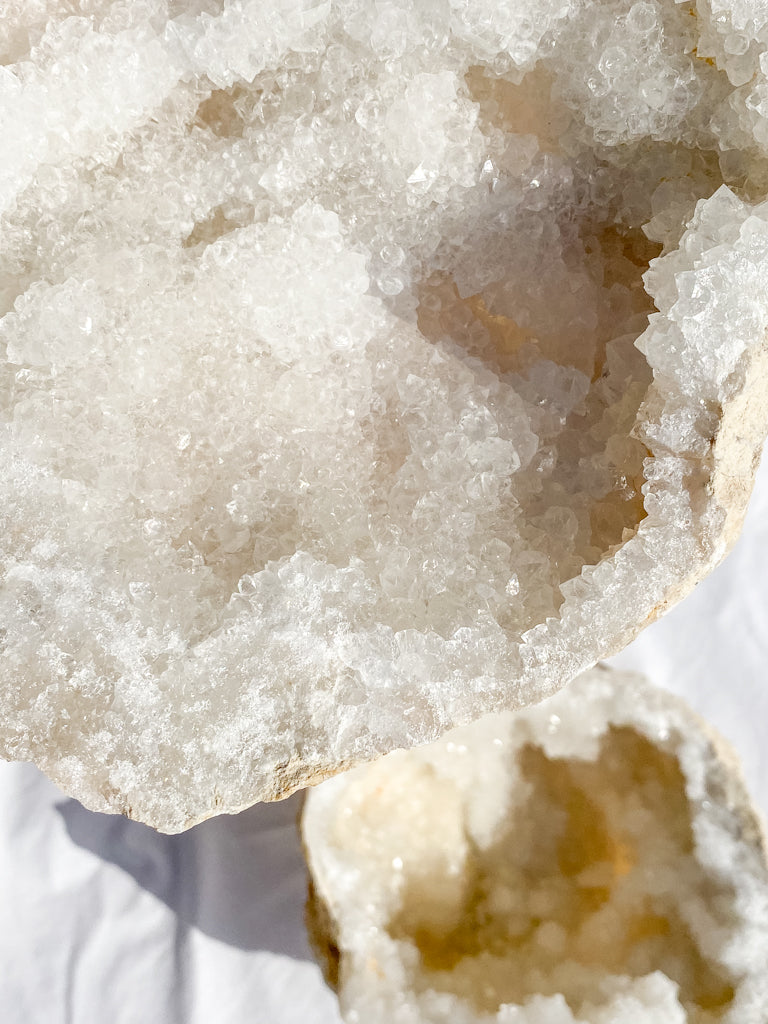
103	921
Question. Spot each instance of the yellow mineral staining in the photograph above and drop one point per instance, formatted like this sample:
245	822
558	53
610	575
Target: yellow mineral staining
526	108
443	313
599	475
209	230
563	897
219	112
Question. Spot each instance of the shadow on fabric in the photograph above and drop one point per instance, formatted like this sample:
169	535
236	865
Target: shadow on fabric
237	878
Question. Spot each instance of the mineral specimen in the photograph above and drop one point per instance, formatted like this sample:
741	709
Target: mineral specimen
593	860
344	396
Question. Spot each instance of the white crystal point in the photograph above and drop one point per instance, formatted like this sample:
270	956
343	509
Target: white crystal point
592	860
322	424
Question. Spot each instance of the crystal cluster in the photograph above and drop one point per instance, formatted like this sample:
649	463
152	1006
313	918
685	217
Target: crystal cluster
339	403
593	860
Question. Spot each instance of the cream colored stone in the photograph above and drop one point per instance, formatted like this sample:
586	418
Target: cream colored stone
595	859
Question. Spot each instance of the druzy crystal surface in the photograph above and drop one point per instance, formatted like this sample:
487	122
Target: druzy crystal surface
592	860
364	367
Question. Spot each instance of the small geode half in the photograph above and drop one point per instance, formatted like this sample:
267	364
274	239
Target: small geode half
593	860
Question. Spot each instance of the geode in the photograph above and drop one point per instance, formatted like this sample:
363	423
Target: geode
592	860
365	367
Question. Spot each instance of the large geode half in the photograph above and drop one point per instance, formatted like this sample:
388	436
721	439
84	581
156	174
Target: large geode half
323	425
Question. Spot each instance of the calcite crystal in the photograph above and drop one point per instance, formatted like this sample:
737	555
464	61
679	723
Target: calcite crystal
365	367
593	860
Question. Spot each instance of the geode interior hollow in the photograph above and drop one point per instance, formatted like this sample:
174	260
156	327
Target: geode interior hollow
364	368
592	860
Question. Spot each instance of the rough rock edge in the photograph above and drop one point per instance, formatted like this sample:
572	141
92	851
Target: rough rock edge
725	782
733	461
322	931
279	783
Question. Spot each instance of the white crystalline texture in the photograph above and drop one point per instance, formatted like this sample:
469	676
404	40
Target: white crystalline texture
593	860
322	424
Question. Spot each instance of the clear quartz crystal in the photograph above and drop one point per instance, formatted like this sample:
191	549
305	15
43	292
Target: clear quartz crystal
319	372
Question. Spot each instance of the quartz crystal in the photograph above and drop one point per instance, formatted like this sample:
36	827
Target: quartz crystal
592	860
365	367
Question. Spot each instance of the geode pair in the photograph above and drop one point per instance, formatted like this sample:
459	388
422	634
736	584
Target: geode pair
365	368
